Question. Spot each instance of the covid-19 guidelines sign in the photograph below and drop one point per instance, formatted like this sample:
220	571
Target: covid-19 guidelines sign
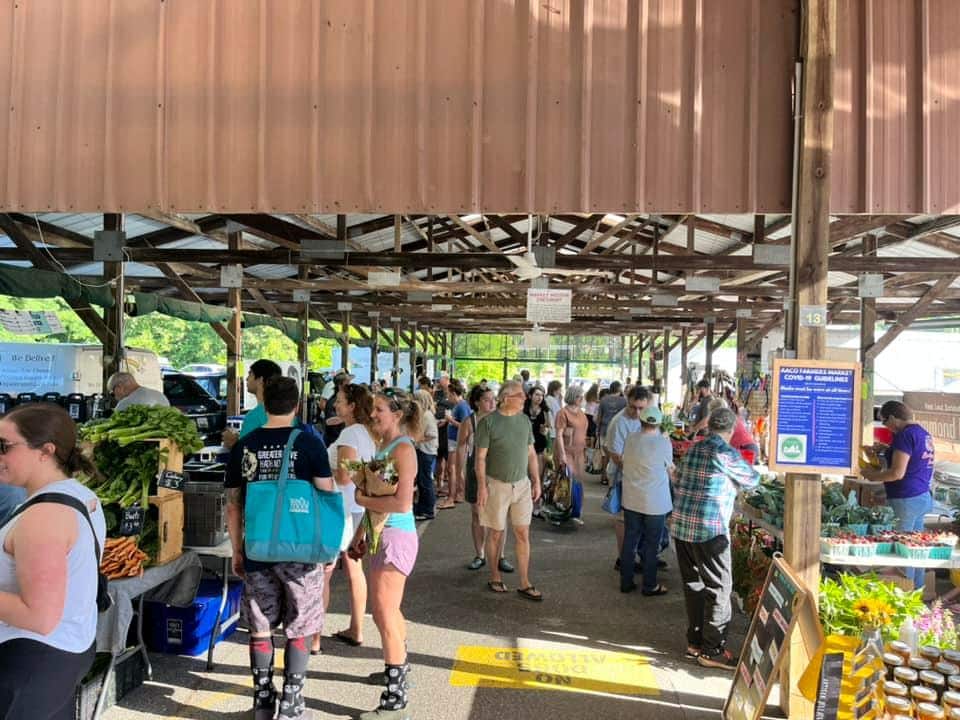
815	417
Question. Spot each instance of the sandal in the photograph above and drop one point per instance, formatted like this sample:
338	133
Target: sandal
531	593
692	653
658	590
497	587
343	637
446	506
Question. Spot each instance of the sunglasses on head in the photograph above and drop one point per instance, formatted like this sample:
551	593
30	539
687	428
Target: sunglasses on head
5	446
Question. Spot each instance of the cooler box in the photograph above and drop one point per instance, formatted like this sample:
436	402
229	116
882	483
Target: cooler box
187	631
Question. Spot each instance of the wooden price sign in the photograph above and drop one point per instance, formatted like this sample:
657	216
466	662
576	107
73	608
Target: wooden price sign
171	480
131	522
784	605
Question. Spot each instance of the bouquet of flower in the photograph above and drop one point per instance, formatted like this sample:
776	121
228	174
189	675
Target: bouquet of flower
936	627
374	478
854	602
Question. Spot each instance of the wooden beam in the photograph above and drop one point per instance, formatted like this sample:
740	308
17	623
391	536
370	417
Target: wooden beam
187	293
759	335
708	370
83	309
723	338
914	313
478	236
868	336
573	233
114	316
233	338
265	305
597	241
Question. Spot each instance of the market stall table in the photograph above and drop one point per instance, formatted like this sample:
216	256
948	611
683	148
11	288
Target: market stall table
174	583
224	551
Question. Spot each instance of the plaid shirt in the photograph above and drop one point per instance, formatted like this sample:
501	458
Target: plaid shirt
708	479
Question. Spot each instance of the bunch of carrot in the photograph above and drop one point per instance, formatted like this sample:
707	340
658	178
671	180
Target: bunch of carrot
122	558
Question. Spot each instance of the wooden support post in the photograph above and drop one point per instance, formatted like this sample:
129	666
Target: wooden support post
624	369
443	352
345	340
743	364
654	379
684	388
708	362
113	272
811	249
453	353
641	340
691	233
633	347
235	341
374	347
414	356
394	371
665	382
868	336
397	233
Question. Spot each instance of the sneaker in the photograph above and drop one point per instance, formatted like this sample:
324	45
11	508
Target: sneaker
265	708
505	566
722	659
421	518
628	588
477	563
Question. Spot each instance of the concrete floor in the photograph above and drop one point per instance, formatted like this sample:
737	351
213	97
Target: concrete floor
451	614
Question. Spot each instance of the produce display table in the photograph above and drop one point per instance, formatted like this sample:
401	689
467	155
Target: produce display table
891	560
174	583
224	551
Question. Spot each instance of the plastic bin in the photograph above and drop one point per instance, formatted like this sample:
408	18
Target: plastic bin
187	631
205	513
128	674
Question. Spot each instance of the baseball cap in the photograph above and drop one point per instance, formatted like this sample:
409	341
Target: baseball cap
651	415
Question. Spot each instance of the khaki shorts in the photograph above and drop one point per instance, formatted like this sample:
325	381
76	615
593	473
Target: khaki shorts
506	500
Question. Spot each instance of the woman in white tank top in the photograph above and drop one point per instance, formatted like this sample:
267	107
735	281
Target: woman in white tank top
48	568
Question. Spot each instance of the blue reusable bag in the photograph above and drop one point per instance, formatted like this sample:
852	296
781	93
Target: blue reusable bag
290	520
611	503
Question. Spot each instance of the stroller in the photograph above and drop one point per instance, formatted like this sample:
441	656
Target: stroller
562	496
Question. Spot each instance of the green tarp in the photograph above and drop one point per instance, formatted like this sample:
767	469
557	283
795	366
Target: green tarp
34	283
146	303
290	328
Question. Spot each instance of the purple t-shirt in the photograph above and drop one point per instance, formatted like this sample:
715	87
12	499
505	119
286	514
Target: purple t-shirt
917	443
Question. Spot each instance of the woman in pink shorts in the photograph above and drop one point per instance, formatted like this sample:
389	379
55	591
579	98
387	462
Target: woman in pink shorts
395	419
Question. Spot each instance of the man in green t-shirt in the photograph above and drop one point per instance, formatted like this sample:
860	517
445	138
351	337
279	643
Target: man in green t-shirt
508	482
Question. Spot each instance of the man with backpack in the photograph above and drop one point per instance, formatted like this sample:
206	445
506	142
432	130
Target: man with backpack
290	593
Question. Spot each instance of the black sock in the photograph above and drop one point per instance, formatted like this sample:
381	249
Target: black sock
395	696
261	663
294	673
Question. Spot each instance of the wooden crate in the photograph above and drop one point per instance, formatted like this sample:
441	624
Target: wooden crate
174	462
169	525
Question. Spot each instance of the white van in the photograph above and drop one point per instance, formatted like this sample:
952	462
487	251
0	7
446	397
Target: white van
65	369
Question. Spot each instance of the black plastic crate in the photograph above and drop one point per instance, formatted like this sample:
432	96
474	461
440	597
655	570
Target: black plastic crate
128	674
204	514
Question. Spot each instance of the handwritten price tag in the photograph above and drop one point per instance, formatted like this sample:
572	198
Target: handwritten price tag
132	522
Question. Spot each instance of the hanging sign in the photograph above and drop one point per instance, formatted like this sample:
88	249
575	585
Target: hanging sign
815	417
27	322
231	276
813	316
383	278
549	306
699	283
871	285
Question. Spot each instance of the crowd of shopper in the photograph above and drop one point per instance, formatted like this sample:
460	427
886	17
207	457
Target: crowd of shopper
446	445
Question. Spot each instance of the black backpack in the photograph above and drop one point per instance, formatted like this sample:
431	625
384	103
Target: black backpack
104	601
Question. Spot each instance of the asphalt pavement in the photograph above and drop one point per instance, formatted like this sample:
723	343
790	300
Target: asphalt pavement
586	651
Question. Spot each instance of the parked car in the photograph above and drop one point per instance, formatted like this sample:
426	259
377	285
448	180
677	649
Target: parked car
188	396
196	368
214	383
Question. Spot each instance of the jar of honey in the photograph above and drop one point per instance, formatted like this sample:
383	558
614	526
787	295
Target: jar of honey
900	648
947	668
892	688
931	653
892	661
907	676
952	656
920	663
953	682
930	711
951	699
923	694
899	706
953	714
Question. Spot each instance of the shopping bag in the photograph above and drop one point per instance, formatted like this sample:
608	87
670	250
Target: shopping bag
611	503
290	520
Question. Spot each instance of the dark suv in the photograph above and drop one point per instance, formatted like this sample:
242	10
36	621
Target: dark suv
188	396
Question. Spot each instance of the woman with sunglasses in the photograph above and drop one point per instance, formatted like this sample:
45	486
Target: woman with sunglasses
908	473
354	406
48	567
397	424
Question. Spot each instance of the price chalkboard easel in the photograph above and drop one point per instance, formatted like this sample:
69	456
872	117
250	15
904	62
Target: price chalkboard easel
785	604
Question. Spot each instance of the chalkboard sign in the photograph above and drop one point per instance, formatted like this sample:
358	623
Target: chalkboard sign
171	480
131	523
815	417
783	600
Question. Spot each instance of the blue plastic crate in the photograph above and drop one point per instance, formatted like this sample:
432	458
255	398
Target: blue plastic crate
187	630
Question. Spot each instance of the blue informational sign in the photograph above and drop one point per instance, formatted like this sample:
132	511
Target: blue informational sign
816	415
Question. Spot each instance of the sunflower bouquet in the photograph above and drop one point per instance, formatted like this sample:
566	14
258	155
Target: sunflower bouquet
374	478
852	603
